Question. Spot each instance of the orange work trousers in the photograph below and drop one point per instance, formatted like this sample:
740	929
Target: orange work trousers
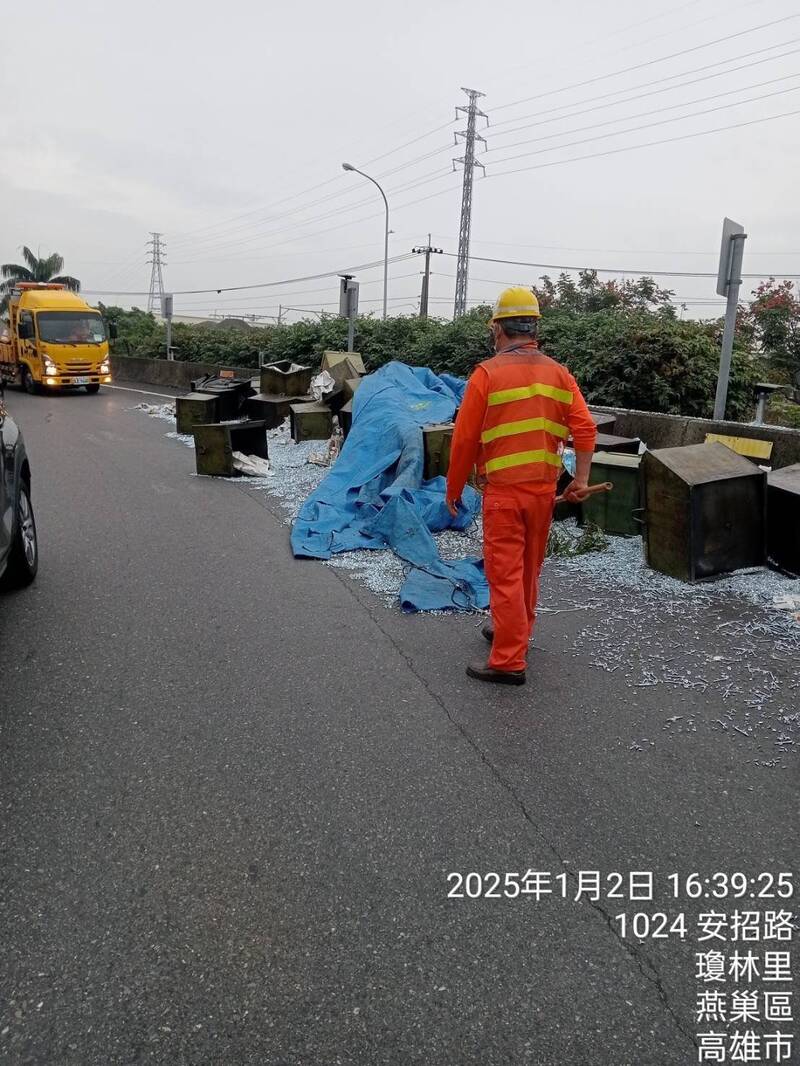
516	521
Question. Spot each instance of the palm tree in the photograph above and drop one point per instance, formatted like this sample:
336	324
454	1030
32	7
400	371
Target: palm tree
36	269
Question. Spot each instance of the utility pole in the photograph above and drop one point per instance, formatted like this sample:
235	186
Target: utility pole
157	250
426	277
469	163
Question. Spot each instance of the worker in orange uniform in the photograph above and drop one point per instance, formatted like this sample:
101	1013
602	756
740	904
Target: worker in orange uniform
518	411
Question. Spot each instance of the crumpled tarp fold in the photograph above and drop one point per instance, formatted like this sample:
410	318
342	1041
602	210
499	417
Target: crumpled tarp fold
375	497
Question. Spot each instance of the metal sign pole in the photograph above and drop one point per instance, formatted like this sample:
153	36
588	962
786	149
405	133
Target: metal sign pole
728	284
167	312
352	311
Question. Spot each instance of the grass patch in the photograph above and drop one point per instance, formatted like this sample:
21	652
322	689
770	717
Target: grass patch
566	543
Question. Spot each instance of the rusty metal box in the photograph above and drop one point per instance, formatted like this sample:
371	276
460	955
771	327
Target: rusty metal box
346	418
350	386
335	400
272	410
195	408
229	390
614	511
608	442
286	378
436	442
704	511
605	422
783	518
214	445
343	365
310	421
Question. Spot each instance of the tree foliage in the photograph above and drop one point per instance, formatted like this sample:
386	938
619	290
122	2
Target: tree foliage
34	269
648	361
771	323
589	294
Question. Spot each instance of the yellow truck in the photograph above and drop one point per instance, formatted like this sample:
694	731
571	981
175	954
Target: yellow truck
53	339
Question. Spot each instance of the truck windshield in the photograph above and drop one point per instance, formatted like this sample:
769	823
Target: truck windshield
71	327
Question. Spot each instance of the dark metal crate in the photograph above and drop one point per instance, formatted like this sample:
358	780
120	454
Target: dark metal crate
704	511
214	445
783	518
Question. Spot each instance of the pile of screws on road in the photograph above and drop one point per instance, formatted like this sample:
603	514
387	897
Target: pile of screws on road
702	510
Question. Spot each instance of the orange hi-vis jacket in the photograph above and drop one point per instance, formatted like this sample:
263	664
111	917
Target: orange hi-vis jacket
518	411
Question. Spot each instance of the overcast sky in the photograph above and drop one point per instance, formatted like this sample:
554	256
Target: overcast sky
215	123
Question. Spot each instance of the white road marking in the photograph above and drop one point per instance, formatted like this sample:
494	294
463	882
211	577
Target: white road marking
143	392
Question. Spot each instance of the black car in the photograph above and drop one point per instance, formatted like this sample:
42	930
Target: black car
19	549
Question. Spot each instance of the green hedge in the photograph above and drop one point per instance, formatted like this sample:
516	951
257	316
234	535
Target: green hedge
642	359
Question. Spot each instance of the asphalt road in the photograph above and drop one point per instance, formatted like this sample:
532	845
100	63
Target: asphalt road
233	785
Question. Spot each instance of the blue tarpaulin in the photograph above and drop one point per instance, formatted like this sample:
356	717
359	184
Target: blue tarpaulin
375	497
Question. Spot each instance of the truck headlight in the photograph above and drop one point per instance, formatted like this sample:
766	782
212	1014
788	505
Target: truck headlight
50	368
105	368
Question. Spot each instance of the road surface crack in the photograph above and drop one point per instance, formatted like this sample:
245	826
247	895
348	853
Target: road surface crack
640	960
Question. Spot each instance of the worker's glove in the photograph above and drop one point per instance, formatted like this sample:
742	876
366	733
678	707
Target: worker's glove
453	507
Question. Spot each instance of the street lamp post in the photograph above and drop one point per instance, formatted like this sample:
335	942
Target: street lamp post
349	166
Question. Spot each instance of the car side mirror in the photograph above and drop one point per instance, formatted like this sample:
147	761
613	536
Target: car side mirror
112	330
25	330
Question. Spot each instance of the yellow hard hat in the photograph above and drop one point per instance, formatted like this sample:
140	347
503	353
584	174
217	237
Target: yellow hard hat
516	302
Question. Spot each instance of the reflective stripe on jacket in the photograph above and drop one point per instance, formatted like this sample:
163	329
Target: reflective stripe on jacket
527	418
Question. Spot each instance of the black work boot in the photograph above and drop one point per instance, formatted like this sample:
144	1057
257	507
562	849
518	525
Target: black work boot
484	672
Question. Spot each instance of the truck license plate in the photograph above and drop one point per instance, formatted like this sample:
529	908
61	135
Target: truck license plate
80	381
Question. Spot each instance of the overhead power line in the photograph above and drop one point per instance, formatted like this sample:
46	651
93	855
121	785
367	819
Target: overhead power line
180	238
229	302
220	241
214	242
293	254
537	166
689	25
600	45
414	140
267	231
649	62
439	175
646	125
265	226
670	12
609	251
552	163
642	96
615	270
647	144
261	284
365	218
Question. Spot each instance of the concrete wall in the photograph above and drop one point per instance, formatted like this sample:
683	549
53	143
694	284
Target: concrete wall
174	374
673	431
656	430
